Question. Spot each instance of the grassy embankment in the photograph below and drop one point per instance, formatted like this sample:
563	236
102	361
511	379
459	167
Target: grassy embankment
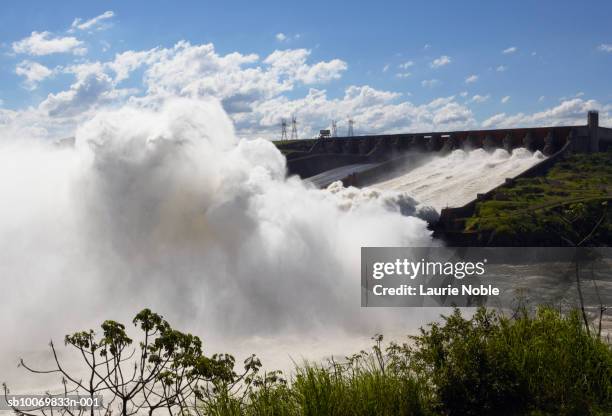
545	364
562	207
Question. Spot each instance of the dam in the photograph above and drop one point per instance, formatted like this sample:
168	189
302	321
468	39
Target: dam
450	171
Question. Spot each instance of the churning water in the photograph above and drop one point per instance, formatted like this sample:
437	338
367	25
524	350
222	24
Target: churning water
166	209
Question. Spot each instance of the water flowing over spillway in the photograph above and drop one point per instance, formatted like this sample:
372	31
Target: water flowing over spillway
455	179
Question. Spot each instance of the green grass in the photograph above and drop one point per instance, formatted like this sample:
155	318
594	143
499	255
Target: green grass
563	206
543	363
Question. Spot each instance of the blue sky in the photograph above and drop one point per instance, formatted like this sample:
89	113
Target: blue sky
426	65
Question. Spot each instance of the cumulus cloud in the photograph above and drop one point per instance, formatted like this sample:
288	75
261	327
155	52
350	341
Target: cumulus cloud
440	62
505	99
281	37
33	73
44	43
605	47
92	90
252	89
373	111
292	63
501	68
471	79
95	23
406	65
511	49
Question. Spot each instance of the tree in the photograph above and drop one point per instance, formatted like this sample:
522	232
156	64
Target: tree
167	371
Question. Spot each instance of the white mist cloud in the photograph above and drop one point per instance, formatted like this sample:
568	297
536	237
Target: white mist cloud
44	43
165	208
511	49
471	79
505	99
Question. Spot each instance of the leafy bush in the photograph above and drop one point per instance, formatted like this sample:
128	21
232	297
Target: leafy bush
489	364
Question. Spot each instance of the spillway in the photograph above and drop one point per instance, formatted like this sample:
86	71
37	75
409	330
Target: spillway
455	179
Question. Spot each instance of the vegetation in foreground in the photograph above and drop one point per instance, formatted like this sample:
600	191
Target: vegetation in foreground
561	208
544	363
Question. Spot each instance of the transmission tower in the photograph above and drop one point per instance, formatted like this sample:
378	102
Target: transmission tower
334	129
294	135
283	129
350	132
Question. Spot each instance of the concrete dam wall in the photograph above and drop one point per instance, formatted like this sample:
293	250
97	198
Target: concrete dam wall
384	152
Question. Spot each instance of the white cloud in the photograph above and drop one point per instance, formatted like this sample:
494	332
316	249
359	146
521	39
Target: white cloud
480	98
33	73
570	112
463	94
426	46
91	90
605	47
541	98
471	79
284	38
406	65
43	43
505	99
385	68
511	49
96	23
501	68
403	74
440	62
292	62
372	110
253	91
